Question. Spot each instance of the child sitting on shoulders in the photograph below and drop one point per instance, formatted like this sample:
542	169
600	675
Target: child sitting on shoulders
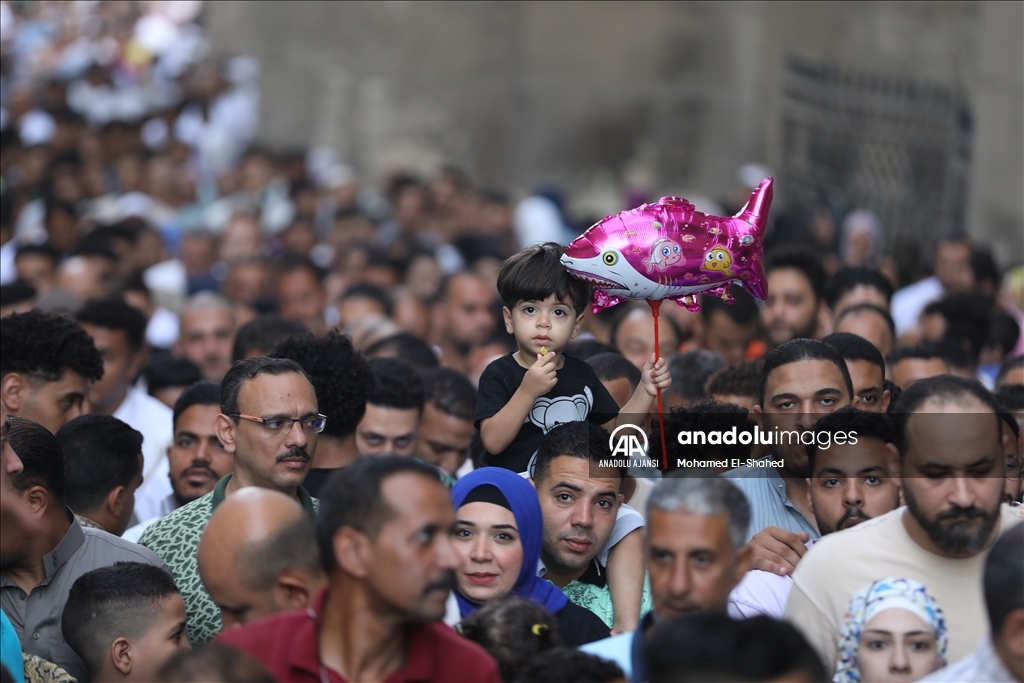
523	395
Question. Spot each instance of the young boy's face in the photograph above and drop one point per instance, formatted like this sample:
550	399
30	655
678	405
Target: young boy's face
164	639
548	324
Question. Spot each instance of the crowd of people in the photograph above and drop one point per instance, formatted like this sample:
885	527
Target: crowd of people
266	420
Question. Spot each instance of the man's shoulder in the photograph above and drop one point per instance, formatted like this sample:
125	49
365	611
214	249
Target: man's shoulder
453	655
113	548
271	632
840	552
187	521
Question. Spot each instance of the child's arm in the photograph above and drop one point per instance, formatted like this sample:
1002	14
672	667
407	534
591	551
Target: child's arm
655	376
502	428
626	580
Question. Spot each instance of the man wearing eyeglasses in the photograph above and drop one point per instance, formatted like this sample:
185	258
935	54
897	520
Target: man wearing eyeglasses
269	422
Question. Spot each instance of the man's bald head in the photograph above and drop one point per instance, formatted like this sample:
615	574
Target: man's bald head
258	556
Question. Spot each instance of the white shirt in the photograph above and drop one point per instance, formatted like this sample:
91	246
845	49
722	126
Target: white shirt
981	666
144	413
8	271
908	302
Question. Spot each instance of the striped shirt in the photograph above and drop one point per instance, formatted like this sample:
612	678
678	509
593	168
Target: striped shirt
769	505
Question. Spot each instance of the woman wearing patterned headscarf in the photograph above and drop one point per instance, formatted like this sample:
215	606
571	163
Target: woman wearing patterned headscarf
498	534
893	632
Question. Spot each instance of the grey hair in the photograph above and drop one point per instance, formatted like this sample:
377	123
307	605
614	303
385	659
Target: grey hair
205	299
704	496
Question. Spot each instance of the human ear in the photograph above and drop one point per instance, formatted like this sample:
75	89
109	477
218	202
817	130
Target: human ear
507	315
291	591
121	655
224	428
577	325
115	500
38	499
352	552
12	391
894	463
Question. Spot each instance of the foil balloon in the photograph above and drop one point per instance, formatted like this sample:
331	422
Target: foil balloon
669	250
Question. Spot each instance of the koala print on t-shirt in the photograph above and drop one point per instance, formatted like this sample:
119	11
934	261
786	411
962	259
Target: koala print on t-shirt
548	413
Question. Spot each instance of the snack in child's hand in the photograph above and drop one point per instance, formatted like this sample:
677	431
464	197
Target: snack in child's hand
543	350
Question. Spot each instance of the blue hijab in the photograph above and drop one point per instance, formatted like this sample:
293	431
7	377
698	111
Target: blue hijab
522	498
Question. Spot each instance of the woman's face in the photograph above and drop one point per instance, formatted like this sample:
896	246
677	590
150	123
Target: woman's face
487	540
896	646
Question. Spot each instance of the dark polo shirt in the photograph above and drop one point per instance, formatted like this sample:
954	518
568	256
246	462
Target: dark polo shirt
287	645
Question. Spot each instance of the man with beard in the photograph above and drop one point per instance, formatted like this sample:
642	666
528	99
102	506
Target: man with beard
802	380
850	483
196	458
795	306
385	538
948	452
464	318
269	422
695	555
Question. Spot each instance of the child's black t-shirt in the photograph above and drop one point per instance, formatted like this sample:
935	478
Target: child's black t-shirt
577	395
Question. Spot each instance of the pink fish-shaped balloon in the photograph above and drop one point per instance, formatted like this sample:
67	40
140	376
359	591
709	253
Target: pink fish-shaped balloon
669	250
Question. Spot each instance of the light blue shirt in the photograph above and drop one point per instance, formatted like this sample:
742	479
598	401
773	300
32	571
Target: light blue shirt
618	649
769	505
10	649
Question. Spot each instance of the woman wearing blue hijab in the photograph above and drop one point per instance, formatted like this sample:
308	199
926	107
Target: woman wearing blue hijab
498	534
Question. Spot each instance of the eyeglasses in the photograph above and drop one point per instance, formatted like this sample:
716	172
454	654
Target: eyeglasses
313	424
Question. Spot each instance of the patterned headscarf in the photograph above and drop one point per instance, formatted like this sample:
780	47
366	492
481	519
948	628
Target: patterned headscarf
875	598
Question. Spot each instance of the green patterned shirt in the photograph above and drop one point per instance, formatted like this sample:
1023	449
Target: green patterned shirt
175	538
591	592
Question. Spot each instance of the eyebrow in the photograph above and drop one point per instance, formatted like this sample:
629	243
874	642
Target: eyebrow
983	460
867	389
567	485
191	435
827	390
779	397
466	522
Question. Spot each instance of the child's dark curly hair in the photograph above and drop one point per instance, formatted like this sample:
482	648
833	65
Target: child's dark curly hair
513	631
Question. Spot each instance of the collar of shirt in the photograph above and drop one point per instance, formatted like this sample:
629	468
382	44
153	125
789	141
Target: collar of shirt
61	553
592	575
305	650
778	485
305	499
88	523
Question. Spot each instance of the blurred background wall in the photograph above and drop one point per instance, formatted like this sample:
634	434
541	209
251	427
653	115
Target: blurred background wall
661	97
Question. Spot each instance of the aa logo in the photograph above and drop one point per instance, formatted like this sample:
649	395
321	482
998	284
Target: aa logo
628	441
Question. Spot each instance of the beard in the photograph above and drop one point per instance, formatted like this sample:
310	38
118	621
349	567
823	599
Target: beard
968	534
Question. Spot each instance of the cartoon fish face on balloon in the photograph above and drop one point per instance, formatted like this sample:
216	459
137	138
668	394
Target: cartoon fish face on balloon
669	250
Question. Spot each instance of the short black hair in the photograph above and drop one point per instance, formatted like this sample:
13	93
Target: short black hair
739	380
612	366
955	353
513	630
1003	332
164	371
100	453
213	662
396	385
109	603
264	333
948	387
44	250
340	375
44	345
742	311
854	347
568	665
17	292
1011	397
711	646
585	348
1004	590
41	456
449	391
353	496
691	370
366	290
114	313
870	308
705	415
536	273
584	440
245	370
1009	365
289	263
851	277
408	347
796	350
925	351
202	393
967	316
867	425
806	261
